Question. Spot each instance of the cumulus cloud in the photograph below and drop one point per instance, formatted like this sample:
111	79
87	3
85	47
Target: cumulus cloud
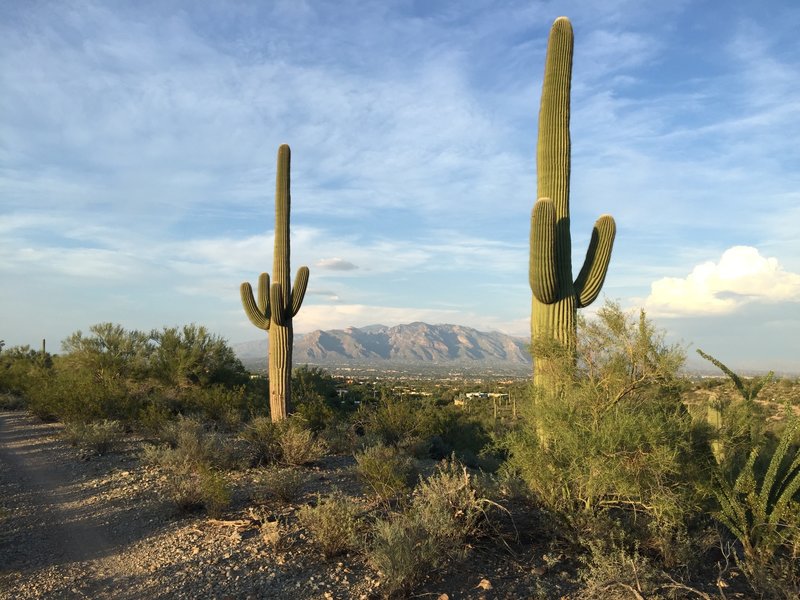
335	264
742	276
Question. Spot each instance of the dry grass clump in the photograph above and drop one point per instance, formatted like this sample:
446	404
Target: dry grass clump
97	437
333	524
287	442
282	483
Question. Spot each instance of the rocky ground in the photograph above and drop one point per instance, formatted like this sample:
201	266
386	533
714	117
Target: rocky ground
79	526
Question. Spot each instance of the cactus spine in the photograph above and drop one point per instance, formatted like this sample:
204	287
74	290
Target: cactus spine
556	297
278	303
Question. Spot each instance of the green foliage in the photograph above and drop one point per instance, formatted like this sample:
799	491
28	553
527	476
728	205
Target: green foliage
761	510
333	524
388	471
109	352
402	551
556	297
615	439
192	356
113	373
424	428
278	303
748	389
20	366
737	424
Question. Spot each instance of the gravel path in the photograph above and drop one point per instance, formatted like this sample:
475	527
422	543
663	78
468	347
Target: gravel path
99	528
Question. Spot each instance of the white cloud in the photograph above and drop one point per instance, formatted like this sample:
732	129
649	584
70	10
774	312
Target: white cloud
742	276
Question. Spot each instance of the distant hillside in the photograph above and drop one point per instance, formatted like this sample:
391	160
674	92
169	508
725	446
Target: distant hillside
415	344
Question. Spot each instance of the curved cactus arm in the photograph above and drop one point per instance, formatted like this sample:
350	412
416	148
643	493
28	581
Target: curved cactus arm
279	310
299	289
257	312
543	273
595	266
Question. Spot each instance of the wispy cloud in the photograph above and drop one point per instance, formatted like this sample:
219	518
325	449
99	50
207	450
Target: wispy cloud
335	264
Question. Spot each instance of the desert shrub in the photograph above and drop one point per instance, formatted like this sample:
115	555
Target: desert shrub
192	485
397	421
263	441
387	471
193	356
97	437
339	437
445	515
216	403
288	442
298	444
333	524
314	396
448	505
614	571
73	394
761	508
19	366
187	439
11	401
282	483
402	551
615	439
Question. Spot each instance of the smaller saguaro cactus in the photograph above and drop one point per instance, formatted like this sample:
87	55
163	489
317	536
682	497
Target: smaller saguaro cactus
278	303
556	296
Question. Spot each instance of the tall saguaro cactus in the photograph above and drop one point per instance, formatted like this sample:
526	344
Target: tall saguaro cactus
278	303
556	297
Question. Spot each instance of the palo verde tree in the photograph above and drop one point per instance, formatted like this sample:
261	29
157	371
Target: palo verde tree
279	302
556	297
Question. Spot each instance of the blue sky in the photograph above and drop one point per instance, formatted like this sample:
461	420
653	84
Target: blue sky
138	144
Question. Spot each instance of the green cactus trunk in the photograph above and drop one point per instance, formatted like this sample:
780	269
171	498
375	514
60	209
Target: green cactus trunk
556	297
279	302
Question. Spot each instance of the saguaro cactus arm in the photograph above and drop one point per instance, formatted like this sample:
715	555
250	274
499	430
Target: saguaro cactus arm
595	266
257	311
299	289
543	274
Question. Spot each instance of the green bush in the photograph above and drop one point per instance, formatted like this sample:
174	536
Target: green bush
188	440
615	441
298	444
386	470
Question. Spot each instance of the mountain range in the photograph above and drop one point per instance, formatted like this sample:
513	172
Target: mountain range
412	345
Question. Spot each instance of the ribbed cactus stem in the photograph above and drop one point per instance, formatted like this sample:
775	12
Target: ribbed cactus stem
556	297
278	301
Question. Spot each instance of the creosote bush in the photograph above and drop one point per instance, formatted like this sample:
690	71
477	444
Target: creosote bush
386	470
